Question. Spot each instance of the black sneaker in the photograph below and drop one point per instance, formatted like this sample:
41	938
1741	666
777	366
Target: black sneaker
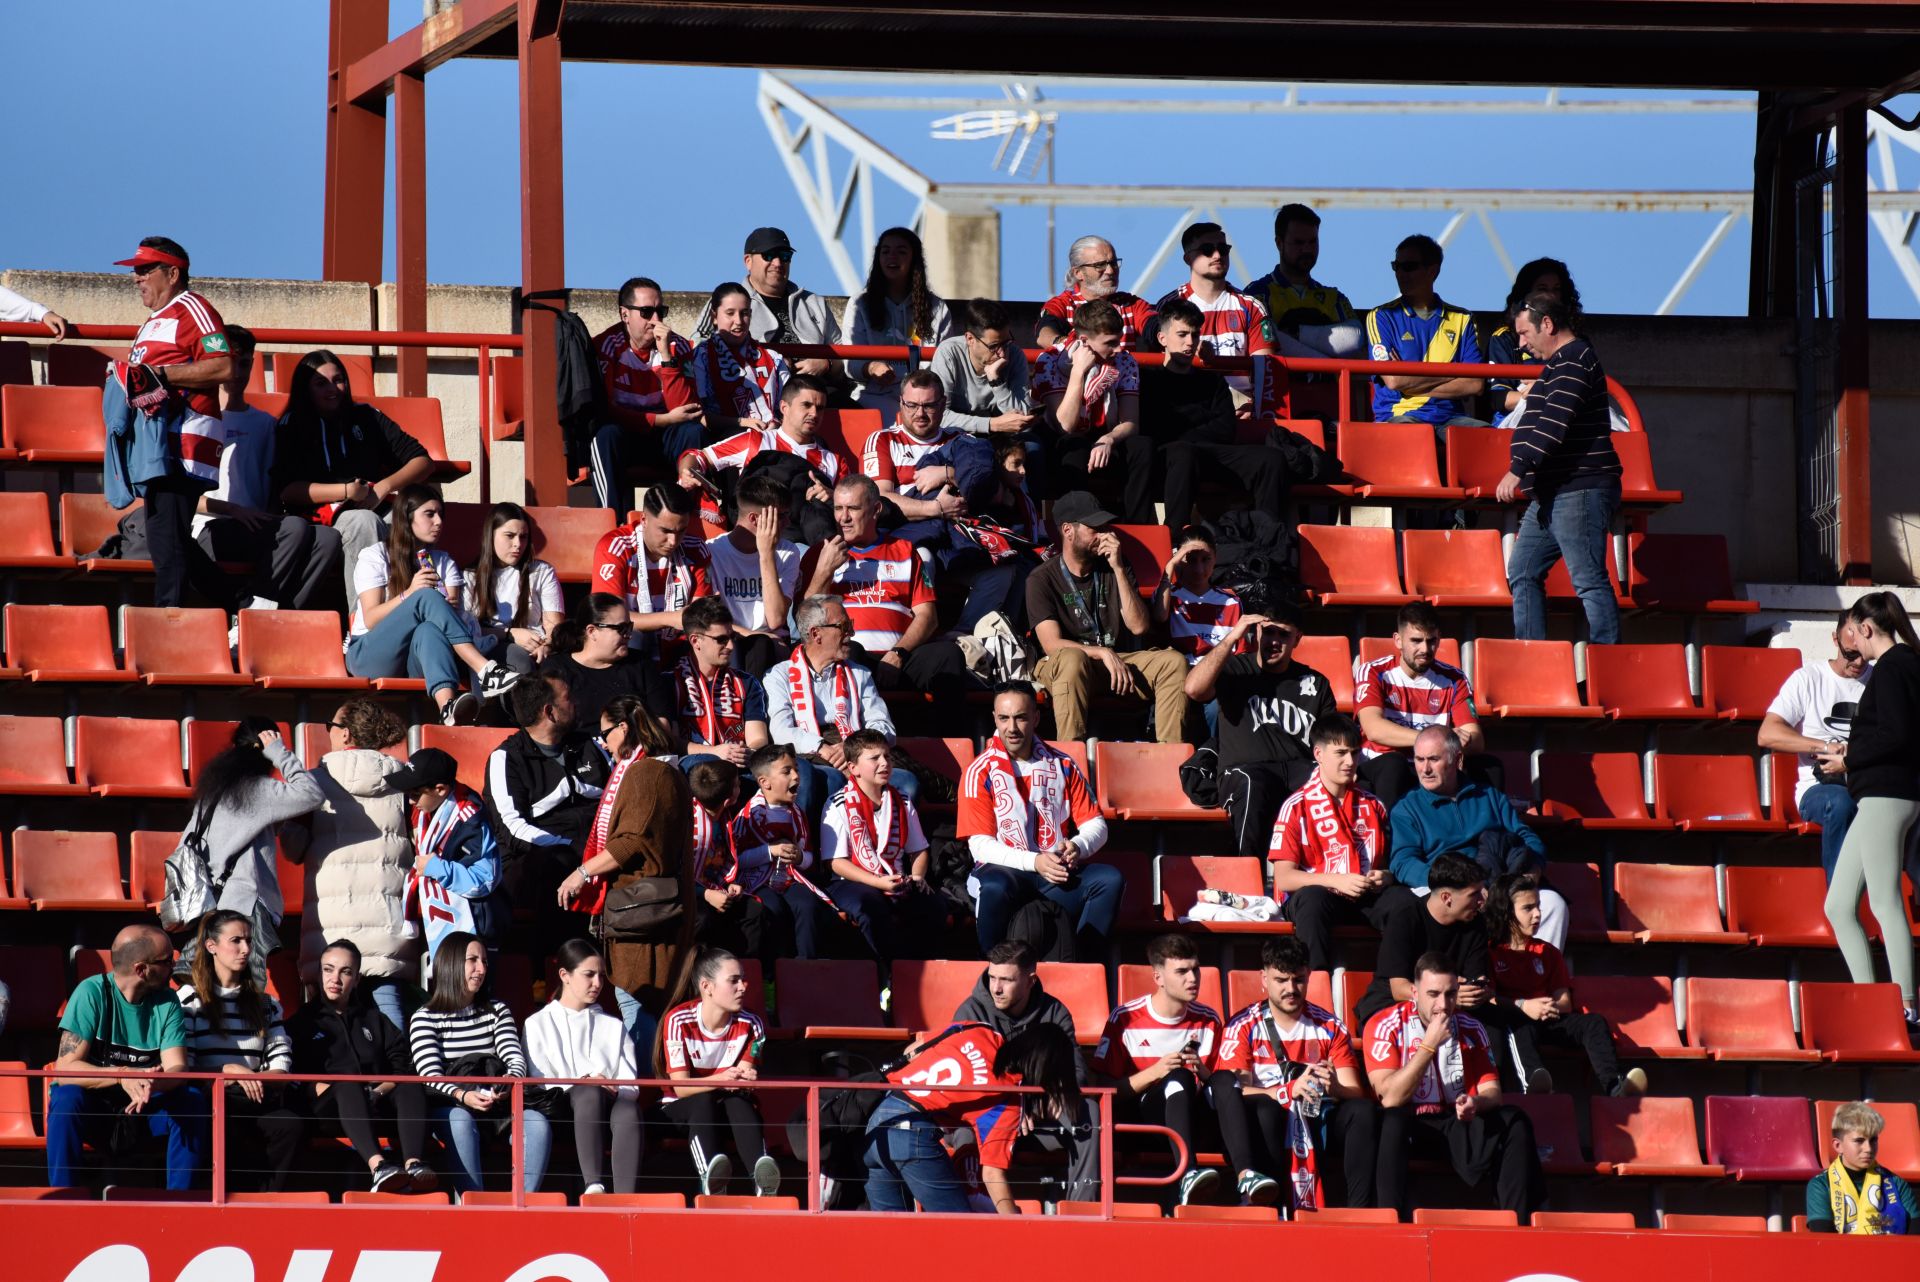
388	1177
420	1176
461	710
495	680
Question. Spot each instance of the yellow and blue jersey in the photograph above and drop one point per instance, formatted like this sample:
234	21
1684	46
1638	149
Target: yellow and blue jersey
1309	304
1504	349
1395	332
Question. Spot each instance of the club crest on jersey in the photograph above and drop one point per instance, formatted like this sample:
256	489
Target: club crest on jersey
214	343
1450	334
606	572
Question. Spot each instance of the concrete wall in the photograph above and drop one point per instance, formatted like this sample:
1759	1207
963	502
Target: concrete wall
1716	392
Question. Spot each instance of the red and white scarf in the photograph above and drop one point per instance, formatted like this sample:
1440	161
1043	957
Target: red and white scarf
1015	799
441	911
757	826
715	861
751	379
1346	846
870	853
846	700
715	705
676	575
594	897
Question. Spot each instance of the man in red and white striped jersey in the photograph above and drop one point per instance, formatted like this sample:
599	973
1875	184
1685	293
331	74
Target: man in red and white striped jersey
893	453
1398	695
802	402
1233	323
1329	845
1093	271
645	369
885	587
658	566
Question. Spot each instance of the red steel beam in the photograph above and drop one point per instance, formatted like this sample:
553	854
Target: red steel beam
372	72
543	258
356	158
410	225
1855	462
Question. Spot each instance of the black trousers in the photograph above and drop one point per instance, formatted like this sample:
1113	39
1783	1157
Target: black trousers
1172	1102
1253	792
1253	1129
1259	470
755	652
295	562
1315	911
177	559
936	667
719	1122
1521	1039
400	1114
1129	469
1496	1144
262	1141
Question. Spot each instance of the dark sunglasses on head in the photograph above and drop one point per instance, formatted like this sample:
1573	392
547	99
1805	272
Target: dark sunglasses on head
624	628
647	313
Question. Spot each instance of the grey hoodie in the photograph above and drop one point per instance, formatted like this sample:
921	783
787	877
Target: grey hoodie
1042	1008
246	823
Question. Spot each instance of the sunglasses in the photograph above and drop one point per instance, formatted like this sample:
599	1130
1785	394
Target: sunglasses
721	639
624	629
336	725
1101	266
779	256
647	313
1412	266
1851	656
1208	248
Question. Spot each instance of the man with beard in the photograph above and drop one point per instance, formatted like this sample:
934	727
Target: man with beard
1093	271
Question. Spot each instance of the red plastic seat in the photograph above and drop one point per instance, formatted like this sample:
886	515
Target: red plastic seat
1457	568
1121	1210
926	993
1583	1219
33	758
81	365
1648	1135
1781	907
357	366
1244	988
1640	1009
37	974
53	425
1899	1142
469	746
1596	790
1148	548
1142	781
68	871
1351	565
564	537
1559	584
420	418
1465	1217
1709	794
743	1202
1743	1019
1194	1211
948	758
1640	682
846	432
1855	1023
506	407
1477	459
1332	658
1783	777
86	522
1348	1215
1082	988
1579	885
61	643
1351	986
1637	486
1137	981
635	1201
1527	679
285	1197
9	902
315	745
1761	1137
295	650
1715	1223
208	739
128	757
147	865
1392	461
1684	572
1738	682
366	1197
829	998
45	1195
26	532
1668	904
504	1197
1182	877
1556	1134
174	647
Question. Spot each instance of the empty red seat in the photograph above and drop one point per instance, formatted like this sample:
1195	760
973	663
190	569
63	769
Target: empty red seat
1780	907
1640	1008
128	757
506	409
1579	885
1855	1023
1583	1219
1082	988
564	537
1761	1137
1350	986
1147	548
147	865
1465	1217
9	902
635	1201
62	643
948	758
1738	682
26	533
295	650
1668	904
1714	1223
1457	568
1392	461
1595	790
1637	485
420	418
926	993
1477	459
1351	565
1182	877
847	431
1685	572
68	871
829	998
53	425
1142	781
174	647
1556	1133
1899	1142
1527	679
1331	657
1640	682
33	758
16	1113
1648	1135
1743	1019
469	746
1195	1211
1137	981
1711	794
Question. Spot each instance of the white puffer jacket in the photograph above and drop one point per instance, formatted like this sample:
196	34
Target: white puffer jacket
356	868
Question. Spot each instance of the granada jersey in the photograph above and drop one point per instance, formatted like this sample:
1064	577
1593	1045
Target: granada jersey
952	1081
893	452
880	585
1232	324
1054	786
186	330
740	449
1463	1065
1199	622
1538	970
1137	1037
1325	834
644	382
649	584
1440	696
1317	1037
1137	315
1105	385
694	1048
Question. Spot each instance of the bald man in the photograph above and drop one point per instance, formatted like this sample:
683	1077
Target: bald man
128	1020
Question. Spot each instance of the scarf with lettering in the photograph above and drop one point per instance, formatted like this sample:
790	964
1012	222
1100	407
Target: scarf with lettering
441	911
846	700
1866	1208
1014	801
1340	828
869	852
676	586
715	861
594	897
716	705
748	378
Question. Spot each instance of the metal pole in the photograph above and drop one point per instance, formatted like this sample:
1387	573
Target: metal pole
542	242
410	227
1851	380
219	1093
356	157
1103	1119
519	1105
815	1202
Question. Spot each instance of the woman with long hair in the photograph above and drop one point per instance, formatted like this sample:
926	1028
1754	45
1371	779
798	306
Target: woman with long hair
958	1079
572	1037
1881	760
738	381
233	1026
1541	276
710	1039
896	307
408	599
238	807
513	596
590	651
465	1031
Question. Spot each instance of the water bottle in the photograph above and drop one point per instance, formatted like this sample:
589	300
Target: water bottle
1309	1100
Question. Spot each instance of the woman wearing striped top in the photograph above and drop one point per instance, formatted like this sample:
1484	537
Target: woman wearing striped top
234	1027
464	1031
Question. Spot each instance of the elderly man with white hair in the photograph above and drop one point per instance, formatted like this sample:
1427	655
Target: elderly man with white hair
1093	271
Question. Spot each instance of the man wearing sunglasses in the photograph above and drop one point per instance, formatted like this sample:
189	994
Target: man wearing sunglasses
783	312
1232	323
1420	326
655	411
722	711
1093	271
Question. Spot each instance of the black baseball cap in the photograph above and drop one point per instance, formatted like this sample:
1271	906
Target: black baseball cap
1081	508
427	768
764	240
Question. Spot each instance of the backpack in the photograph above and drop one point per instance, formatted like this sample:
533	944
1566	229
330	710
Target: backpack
843	1120
1041	926
1253	556
192	892
811	521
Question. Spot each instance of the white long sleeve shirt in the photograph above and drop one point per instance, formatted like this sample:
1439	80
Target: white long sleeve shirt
16	309
580	1043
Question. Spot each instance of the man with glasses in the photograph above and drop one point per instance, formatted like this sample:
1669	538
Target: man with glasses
1093	272
722	711
1420	326
783	312
1269	705
650	394
984	374
1232	323
893	452
127	1019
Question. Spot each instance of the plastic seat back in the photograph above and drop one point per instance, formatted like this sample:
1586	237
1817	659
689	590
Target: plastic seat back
845	433
1465	1217
147	865
1738	682
294	648
419	417
60	642
63	424
1640	1009
1899	1142
1583	1219
1142	781
1676	902
564	537
1640	681
68	871
33	757
37	976
1682	572
1598	785
86	522
1390	459
1456	567
1477	459
26	530
1781	907
1707	790
1580	886
127	756
1244	987
1556	1132
948	758
1082	989
1182	877
1530	677
1331	657
469	746
927	993
1855	1022
821	994
1742	1018
1371	648
208	739
635	1201
1761	1137
1349	564
1655	1134
1148	548
1714	1223
173	643
1637	484
506	403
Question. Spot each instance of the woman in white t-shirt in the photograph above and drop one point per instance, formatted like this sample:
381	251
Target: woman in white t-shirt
513	598
896	307
406	620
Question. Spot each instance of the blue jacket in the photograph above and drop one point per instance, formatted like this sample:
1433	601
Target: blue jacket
139	447
1427	825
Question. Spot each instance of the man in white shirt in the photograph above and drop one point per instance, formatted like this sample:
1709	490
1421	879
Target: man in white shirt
1812	716
14	308
757	573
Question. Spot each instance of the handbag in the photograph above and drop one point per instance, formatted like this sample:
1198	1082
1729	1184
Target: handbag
645	908
191	891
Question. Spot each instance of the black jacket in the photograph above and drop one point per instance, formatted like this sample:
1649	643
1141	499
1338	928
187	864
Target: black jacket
1883	746
368	446
362	1042
1042	1008
539	802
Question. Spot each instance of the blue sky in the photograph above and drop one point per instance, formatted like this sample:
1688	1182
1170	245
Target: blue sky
667	168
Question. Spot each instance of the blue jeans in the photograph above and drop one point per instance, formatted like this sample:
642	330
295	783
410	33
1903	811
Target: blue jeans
1574	526
907	1163
820	784
1832	807
616	448
639	1022
77	1116
416	639
459	1130
389	1001
1090	899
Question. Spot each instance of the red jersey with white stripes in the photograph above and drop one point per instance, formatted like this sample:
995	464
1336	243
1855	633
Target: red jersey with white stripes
740	449
1197	622
187	329
893	452
1440	696
1326	834
1137	1037
644	382
1317	1037
1100	395
880	585
1462	1066
1136	313
691	1046
952	1080
649	584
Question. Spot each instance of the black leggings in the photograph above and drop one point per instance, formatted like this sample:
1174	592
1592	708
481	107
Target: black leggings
1253	1130
401	1112
594	1110
711	1118
1521	1055
262	1142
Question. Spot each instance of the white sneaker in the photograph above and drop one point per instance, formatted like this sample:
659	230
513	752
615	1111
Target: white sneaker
829	1189
719	1174
766	1176
495	680
592	1189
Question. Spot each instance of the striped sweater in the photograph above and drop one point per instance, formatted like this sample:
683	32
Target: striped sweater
440	1039
234	1042
1565	437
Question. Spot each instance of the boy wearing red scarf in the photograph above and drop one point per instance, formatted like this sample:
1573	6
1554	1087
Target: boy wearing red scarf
1329	844
871	837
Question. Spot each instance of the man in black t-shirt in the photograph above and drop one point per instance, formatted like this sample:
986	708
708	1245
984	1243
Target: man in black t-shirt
1447	922
1268	707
